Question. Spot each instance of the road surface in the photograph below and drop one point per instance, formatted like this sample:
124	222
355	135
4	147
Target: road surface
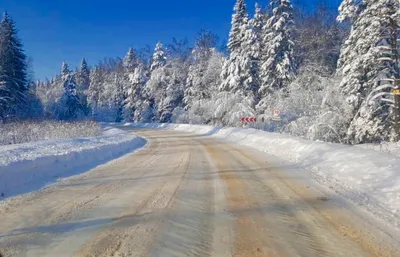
187	195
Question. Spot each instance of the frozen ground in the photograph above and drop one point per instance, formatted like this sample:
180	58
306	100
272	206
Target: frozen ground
186	194
209	192
368	177
31	166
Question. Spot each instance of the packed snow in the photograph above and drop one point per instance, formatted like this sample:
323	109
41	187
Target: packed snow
366	177
392	148
31	166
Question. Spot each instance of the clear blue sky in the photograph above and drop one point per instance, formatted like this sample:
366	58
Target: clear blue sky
56	30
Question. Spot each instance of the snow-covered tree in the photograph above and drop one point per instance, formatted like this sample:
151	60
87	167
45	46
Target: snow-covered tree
159	58
13	70
227	109
130	61
148	111
258	23
196	87
95	89
134	93
252	44
199	112
232	79
50	93
82	78
165	89
278	66
118	96
69	106
176	76
131	90
310	107
239	21
238	74
367	68
65	71
106	92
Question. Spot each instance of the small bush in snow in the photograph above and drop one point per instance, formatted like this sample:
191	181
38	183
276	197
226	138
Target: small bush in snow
30	131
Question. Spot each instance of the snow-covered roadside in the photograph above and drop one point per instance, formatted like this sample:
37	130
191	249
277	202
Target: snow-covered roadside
392	148
31	166
367	177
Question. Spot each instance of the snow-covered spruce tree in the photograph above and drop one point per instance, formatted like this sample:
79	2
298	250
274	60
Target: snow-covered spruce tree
136	80
159	58
238	75
196	89
95	90
253	46
367	68
69	106
4	101
82	78
118	96
131	91
278	67
106	92
139	80
201	111
155	89
114	95
176	76
135	71
13	74
130	61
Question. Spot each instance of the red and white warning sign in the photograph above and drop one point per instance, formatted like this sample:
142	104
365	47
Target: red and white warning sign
276	113
249	119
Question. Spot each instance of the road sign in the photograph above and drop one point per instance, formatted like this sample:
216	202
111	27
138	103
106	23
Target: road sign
396	92
276	113
248	119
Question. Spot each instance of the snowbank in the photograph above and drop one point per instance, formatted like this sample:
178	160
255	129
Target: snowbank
30	166
392	148
367	177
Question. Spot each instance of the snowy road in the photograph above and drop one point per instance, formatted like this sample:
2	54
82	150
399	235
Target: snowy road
187	195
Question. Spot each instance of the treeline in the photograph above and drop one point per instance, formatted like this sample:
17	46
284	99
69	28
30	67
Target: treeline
330	76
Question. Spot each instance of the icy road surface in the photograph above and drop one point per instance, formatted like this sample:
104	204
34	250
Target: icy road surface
188	195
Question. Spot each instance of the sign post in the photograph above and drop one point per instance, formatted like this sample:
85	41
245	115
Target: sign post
396	95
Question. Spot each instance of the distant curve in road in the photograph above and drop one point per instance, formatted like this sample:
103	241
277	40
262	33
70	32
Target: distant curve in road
186	195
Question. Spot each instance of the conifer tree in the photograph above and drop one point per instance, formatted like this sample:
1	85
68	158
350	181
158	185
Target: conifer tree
197	87
70	107
278	67
82	78
237	75
13	69
95	89
367	67
159	58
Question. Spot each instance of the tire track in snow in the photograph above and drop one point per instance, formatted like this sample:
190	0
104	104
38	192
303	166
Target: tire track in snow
133	233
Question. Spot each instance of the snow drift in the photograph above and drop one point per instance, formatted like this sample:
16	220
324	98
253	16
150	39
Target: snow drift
367	177
30	166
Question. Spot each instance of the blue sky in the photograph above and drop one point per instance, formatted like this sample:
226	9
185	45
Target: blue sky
56	30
